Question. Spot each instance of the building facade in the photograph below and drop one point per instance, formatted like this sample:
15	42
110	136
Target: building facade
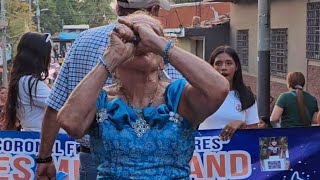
198	27
294	41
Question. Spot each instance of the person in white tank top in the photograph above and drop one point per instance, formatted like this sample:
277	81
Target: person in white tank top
239	110
27	90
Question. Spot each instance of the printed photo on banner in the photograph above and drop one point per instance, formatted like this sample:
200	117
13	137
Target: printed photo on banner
274	154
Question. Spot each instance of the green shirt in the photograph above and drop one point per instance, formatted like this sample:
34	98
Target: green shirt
290	116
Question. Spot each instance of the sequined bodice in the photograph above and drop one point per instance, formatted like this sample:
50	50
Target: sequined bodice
162	152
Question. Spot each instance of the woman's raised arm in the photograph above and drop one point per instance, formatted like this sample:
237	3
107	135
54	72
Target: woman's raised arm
78	112
207	89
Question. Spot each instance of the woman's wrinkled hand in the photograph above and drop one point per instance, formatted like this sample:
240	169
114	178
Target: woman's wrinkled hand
148	31
228	131
120	48
45	171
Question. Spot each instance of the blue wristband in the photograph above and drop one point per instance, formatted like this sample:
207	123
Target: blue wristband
105	66
166	52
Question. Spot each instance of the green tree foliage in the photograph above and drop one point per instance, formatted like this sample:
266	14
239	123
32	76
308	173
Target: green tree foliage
66	11
94	12
72	12
54	14
19	18
50	20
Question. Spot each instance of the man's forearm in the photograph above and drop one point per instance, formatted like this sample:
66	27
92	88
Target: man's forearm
49	131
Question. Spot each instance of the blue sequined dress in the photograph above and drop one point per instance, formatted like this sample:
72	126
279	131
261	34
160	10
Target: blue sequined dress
162	152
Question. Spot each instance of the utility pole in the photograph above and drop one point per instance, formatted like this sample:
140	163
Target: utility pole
30	11
4	25
264	58
30	6
38	15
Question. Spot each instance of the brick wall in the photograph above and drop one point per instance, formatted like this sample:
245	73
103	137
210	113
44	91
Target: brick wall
313	78
275	87
182	15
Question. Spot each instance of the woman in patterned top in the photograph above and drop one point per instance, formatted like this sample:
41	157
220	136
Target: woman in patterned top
143	128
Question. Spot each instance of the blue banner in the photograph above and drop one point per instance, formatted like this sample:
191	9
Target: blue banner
18	150
264	154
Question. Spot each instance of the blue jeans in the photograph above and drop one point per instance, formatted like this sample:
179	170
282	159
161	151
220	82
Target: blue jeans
88	169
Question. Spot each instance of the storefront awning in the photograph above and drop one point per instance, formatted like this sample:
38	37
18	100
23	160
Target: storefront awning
65	36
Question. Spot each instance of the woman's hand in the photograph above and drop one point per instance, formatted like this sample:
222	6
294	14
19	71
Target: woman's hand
46	171
119	49
228	131
149	33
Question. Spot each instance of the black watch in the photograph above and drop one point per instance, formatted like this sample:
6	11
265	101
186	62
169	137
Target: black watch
43	160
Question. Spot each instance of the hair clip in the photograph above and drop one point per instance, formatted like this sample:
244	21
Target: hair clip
298	87
48	37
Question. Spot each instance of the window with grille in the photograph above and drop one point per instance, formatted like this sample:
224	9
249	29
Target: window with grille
279	52
243	47
313	31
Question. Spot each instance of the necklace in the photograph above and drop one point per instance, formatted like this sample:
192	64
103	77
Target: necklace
140	126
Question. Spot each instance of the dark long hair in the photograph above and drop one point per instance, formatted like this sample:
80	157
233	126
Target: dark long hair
296	81
242	91
33	58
